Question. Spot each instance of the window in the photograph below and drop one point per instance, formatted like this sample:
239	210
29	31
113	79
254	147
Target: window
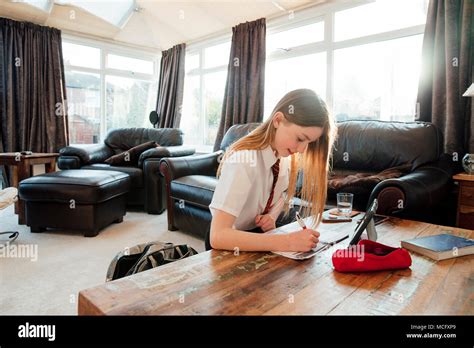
362	59
192	124
120	92
83	95
366	65
129	102
204	86
380	16
284	75
298	36
44	5
217	55
80	55
192	62
115	12
214	86
115	61
384	83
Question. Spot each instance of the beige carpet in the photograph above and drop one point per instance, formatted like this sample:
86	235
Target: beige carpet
67	262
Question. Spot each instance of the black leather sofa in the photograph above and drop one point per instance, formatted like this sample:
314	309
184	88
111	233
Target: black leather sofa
147	185
362	147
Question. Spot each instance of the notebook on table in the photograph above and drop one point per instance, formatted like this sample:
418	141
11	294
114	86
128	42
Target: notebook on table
441	246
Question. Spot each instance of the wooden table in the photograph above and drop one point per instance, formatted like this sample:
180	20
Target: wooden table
465	212
219	282
22	169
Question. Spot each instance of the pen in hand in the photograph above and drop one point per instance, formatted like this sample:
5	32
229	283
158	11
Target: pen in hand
300	221
303	226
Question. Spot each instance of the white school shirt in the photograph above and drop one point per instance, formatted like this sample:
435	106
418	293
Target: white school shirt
245	185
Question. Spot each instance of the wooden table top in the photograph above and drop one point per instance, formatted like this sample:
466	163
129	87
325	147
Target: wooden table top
251	283
464	177
9	155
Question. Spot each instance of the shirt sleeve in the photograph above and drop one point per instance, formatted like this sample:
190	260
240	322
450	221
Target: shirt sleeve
233	187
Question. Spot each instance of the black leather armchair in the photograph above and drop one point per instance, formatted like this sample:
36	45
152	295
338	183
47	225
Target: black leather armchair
373	146
147	185
362	147
190	184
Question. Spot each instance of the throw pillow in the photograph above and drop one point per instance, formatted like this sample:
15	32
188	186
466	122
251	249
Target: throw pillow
362	184
130	157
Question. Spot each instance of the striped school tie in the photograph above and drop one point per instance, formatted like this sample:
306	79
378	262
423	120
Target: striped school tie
275	171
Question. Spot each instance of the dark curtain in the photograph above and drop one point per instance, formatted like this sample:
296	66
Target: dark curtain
170	87
244	89
447	73
33	112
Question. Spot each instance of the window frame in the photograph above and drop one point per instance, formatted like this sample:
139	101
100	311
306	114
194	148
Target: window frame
106	48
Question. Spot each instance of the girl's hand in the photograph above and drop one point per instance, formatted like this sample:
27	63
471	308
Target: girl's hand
303	240
265	222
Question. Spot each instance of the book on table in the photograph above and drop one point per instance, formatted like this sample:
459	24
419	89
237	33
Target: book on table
440	247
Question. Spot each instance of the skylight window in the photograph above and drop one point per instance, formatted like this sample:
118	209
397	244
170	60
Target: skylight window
44	5
116	12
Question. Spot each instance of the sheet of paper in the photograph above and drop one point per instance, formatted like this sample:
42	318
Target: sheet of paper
301	255
324	239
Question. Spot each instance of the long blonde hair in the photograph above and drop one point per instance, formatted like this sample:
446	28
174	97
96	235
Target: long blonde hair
305	108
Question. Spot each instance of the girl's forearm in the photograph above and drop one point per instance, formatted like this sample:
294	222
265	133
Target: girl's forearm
230	239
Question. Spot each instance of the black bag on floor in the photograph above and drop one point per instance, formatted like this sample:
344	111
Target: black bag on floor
146	256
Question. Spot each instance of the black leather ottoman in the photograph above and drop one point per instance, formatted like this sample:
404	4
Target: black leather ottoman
87	200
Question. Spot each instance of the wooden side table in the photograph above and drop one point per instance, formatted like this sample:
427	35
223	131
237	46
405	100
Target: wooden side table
22	169
465	214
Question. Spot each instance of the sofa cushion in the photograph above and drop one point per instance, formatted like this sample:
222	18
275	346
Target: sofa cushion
122	139
129	158
362	184
194	189
379	145
136	174
82	186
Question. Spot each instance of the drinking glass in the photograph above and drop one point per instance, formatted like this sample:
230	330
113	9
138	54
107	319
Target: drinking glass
344	203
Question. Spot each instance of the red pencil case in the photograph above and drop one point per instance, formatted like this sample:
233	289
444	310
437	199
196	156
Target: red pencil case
369	256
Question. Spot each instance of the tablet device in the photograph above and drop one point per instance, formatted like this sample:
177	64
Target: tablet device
369	215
